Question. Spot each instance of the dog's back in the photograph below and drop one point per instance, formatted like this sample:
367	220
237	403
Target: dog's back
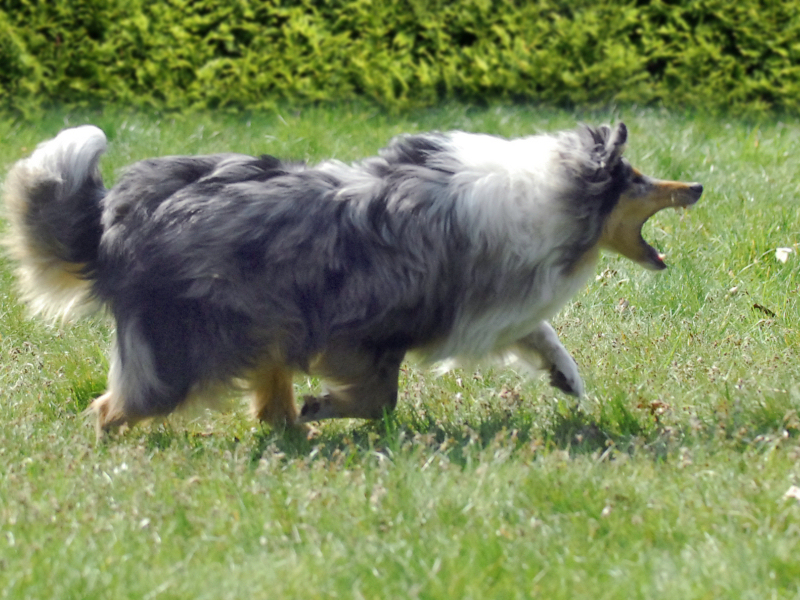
292	256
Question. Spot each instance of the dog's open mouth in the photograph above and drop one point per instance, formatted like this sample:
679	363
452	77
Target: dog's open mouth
623	230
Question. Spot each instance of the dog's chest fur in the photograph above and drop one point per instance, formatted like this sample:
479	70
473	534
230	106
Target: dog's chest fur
489	327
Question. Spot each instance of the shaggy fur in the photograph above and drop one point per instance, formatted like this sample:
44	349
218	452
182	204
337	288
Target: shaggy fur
229	267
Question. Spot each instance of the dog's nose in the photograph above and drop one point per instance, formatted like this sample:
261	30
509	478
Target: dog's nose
697	188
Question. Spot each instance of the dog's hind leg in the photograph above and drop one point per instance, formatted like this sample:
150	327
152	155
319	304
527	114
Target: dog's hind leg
110	414
150	374
543	350
360	383
111	409
273	395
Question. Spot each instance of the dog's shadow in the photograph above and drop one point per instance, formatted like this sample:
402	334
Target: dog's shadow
570	430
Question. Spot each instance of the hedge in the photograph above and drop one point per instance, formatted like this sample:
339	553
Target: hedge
252	54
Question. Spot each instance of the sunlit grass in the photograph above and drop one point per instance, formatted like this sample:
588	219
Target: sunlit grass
666	481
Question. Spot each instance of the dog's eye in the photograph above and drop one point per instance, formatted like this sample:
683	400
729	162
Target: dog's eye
635	177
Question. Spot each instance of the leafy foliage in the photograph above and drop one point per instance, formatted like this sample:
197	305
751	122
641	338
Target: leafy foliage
254	53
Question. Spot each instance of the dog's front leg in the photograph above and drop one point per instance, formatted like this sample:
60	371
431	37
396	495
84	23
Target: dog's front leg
361	383
543	349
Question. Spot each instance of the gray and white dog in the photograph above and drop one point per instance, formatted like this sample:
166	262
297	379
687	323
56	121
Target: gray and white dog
229	268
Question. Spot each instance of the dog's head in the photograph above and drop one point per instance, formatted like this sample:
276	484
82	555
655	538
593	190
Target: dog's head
641	197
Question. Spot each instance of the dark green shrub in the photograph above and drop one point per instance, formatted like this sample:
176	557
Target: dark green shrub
721	53
254	53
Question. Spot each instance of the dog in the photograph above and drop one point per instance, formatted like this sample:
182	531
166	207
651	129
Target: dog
228	268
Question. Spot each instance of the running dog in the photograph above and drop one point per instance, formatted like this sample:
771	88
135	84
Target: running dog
228	268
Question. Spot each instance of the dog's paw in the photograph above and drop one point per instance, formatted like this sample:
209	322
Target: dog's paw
566	378
311	407
316	408
110	418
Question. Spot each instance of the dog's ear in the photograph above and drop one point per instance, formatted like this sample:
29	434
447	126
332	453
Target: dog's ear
604	146
615	143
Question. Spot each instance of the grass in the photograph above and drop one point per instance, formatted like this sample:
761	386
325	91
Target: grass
668	481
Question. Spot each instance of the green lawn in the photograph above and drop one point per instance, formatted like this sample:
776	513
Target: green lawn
668	481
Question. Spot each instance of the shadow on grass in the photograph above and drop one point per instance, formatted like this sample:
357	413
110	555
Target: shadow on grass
604	429
565	429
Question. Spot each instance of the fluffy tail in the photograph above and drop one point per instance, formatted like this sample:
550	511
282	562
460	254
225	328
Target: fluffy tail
52	202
